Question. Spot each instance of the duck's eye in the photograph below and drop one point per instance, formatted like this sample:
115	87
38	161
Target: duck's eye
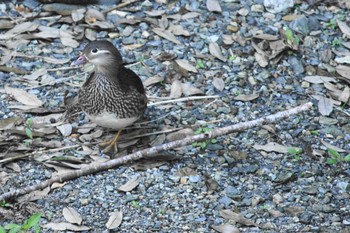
94	50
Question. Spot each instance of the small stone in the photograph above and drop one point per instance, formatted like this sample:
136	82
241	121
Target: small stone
257	8
305	84
243	12
310	190
277	198
276	6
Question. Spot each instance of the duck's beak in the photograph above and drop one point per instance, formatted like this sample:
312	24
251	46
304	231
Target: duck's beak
81	60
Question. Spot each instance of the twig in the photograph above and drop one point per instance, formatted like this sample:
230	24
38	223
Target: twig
183	99
90	169
7	160
120	6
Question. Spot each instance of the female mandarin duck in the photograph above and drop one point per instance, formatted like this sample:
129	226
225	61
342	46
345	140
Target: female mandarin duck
113	96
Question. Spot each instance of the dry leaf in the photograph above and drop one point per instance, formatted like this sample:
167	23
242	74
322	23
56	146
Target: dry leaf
343	60
188	89
167	35
344	28
176	90
325	106
319	79
226	228
330	146
132	46
114	220
35	195
92	15
155	13
18	29
213	5
23	96
228	214
247	97
65	129
4	177
130	185
181	134
153	80
67	39
219	83
78	15
71	215
63	226
344	71
9	123
215	50
184	64
345	95
273	146
262	60
266	37
178	30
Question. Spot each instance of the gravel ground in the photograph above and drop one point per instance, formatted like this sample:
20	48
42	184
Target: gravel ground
274	190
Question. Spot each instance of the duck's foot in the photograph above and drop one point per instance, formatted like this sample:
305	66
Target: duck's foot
110	147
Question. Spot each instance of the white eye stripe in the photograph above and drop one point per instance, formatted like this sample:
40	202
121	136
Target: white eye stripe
97	51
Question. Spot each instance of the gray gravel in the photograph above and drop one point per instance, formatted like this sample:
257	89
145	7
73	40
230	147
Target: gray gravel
278	192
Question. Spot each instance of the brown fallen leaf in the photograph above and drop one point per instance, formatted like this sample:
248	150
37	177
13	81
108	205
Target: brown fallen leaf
262	60
63	226
130	185
330	146
153	80
213	5
344	71
345	95
225	228
155	13
344	28
71	215
189	90
178	30
175	90
19	29
167	35
247	97
35	195
114	220
218	83
184	64
273	146
23	96
238	218
316	79
325	106
9	123
215	50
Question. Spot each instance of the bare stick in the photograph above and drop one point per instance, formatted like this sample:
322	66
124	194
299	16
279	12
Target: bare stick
120	6
92	168
183	99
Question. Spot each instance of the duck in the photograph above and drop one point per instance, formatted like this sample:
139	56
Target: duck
112	96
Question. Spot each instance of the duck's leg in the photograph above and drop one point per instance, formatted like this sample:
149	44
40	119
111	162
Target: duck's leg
110	146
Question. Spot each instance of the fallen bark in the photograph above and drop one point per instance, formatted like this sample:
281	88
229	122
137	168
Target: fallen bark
93	168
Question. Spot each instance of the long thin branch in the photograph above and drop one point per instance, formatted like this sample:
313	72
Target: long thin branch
89	169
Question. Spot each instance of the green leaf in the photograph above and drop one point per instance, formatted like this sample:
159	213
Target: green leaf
29	133
213	141
32	221
2	230
232	58
203	145
333	153
30	122
135	204
347	158
198	131
292	150
289	35
331	161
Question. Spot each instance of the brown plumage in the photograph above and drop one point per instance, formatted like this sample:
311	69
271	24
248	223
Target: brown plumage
113	96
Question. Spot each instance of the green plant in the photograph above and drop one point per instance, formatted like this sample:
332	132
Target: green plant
29	129
292	39
336	158
135	204
336	42
231	58
296	152
32	222
331	24
203	144
5	204
200	64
